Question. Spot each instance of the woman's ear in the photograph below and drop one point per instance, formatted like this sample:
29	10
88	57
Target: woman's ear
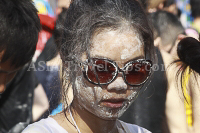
157	42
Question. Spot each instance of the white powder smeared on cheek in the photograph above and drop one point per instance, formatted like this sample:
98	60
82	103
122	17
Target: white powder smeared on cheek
89	98
98	91
84	93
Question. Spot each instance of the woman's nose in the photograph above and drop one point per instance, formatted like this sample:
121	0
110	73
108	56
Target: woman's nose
117	85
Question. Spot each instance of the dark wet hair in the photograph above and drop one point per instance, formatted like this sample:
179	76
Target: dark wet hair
84	18
19	28
189	53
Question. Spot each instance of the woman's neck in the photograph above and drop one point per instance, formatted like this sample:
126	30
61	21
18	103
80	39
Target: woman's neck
88	122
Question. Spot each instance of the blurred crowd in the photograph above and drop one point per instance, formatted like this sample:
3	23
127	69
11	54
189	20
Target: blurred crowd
169	104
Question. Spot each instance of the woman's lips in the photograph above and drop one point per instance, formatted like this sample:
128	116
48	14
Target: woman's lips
113	103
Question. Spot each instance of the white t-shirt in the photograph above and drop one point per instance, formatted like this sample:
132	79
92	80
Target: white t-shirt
49	125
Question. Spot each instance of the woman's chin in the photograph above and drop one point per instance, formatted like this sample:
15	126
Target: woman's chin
109	114
109	118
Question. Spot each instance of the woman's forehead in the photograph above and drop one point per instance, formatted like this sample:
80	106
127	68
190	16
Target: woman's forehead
117	45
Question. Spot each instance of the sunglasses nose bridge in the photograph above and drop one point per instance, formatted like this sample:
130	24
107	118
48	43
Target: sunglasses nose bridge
120	69
120	73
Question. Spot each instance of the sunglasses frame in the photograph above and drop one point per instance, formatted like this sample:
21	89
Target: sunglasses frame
117	70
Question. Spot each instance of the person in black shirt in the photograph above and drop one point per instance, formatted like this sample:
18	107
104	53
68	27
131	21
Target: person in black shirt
19	28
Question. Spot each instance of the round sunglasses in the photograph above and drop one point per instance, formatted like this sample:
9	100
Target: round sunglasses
104	71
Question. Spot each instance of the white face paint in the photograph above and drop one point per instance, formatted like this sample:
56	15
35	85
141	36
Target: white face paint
90	98
126	53
112	100
125	44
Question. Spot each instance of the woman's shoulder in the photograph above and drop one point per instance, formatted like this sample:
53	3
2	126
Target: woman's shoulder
48	125
133	128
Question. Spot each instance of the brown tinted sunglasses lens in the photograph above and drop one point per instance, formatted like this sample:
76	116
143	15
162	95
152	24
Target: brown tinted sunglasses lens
137	73
104	70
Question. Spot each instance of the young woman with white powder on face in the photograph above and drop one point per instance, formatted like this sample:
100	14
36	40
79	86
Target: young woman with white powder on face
106	47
